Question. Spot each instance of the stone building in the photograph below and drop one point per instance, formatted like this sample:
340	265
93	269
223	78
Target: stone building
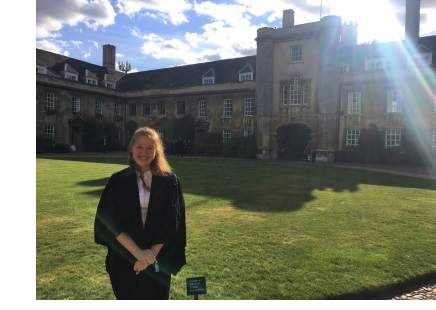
308	83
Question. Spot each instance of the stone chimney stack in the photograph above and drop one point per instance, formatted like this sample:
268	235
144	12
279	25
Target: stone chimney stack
109	56
412	20
288	18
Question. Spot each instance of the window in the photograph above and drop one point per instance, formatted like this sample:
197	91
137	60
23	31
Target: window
295	92
296	53
248	132
285	95
420	60
394	101
352	137
98	107
248	76
41	70
201	108
161	133
344	68
434	139
49	101
132	109
117	109
110	85
161	108
71	76
354	103
248	106
393	137
76	105
208	80
180	107
91	81
49	132
227	134
375	64
227	108
146	109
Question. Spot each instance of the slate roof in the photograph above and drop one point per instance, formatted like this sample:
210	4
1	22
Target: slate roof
226	71
55	64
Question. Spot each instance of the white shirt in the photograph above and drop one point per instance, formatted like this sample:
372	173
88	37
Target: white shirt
144	195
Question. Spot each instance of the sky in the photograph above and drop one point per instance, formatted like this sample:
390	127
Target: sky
155	34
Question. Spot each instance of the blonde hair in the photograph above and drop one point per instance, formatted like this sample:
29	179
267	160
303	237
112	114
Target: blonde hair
159	165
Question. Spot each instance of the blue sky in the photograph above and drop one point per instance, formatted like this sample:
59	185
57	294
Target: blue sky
152	34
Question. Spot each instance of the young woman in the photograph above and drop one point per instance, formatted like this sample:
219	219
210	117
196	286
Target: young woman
141	220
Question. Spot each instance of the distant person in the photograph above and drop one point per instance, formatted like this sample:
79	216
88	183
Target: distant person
141	220
307	152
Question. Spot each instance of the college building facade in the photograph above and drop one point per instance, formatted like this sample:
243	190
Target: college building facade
309	83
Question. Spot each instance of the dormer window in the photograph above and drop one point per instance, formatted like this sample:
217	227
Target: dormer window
110	85
344	68
208	78
375	64
246	74
91	78
420	60
71	76
41	70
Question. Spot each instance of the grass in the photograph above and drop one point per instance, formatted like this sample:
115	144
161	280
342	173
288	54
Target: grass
256	229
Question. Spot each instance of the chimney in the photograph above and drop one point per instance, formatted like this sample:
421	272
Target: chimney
109	56
288	18
412	20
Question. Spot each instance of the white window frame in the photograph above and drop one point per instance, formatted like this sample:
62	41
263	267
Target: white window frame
98	107
354	103
248	106
161	133
41	70
49	132
392	138
91	81
110	85
434	138
49	101
227	108
344	68
161	108
375	64
201	108
181	107
285	95
208	80
352	137
394	102
247	76
248	132
227	135
133	109
296	53
117	109
71	76
295	91
420	60
75	104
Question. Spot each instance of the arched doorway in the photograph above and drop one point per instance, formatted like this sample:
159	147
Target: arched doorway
292	139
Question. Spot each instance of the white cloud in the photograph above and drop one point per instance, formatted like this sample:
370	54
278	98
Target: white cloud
52	15
169	10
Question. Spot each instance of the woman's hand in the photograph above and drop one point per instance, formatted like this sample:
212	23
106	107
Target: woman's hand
139	266
146	256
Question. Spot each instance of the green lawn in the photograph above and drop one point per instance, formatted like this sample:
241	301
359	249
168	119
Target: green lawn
256	229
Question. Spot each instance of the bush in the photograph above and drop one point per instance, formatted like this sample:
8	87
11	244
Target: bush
240	147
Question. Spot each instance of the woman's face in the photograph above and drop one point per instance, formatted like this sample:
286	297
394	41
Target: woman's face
143	152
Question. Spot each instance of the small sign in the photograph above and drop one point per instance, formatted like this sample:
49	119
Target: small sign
196	286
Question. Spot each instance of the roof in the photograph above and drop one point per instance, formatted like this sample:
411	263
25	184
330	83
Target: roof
226	71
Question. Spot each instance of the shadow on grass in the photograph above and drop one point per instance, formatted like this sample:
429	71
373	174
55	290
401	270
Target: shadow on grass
389	291
264	186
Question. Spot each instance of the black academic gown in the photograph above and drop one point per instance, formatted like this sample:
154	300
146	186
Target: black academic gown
119	211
